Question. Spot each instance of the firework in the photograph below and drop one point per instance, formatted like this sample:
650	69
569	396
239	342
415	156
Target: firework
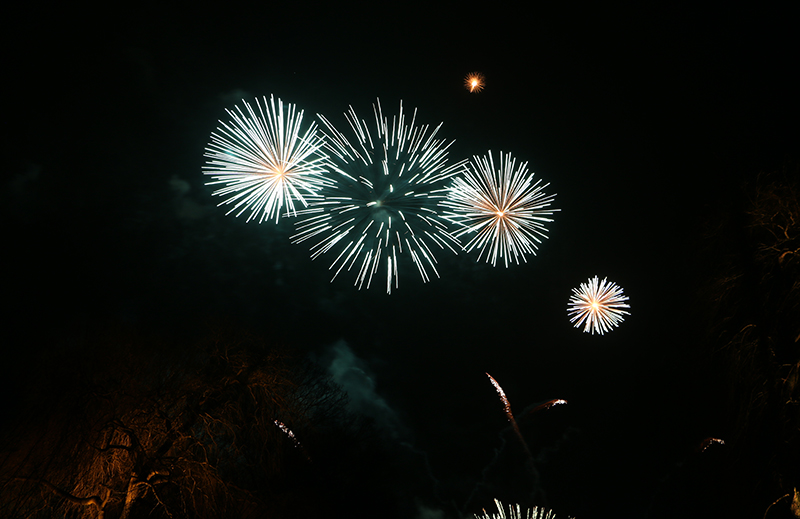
381	206
547	405
265	160
282	426
597	305
504	208
516	512
510	416
530	463
708	442
474	82
503	398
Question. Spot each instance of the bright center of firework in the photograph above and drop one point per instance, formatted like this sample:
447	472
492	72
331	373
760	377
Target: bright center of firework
595	305
501	214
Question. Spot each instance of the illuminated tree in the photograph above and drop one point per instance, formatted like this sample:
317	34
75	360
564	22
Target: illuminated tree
144	433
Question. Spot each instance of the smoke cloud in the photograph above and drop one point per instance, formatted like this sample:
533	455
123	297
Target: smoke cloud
358	381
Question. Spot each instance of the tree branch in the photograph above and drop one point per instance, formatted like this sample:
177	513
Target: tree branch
97	501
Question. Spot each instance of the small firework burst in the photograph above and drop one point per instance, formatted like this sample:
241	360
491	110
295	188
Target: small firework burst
517	512
381	205
503	207
597	305
475	81
265	160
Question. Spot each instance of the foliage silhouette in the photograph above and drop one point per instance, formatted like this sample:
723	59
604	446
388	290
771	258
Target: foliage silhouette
120	425
753	301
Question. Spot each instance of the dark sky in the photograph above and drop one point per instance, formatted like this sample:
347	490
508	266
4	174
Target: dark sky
641	120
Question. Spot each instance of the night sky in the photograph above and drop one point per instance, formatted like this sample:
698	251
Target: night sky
644	122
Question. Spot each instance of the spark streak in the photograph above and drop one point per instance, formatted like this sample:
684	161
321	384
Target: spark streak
708	442
503	398
282	426
547	405
516	512
510	416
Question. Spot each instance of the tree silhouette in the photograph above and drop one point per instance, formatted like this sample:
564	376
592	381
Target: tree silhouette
753	299
126	427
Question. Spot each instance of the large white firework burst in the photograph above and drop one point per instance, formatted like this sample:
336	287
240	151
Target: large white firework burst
504	208
597	306
517	512
382	204
265	159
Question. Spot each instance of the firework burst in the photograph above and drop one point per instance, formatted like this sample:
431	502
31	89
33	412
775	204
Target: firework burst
265	160
517	512
381	206
597	305
504	208
475	81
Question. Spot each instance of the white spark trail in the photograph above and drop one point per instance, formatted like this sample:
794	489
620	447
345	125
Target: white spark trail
517	512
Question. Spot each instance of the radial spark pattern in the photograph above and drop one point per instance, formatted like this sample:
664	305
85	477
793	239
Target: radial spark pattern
503	208
382	205
474	82
517	512
265	160
597	306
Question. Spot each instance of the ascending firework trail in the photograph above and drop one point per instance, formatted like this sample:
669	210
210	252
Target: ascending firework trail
530	464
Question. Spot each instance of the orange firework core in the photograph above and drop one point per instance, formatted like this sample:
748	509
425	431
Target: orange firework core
474	82
280	171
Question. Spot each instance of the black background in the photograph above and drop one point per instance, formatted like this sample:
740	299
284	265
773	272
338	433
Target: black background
642	120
